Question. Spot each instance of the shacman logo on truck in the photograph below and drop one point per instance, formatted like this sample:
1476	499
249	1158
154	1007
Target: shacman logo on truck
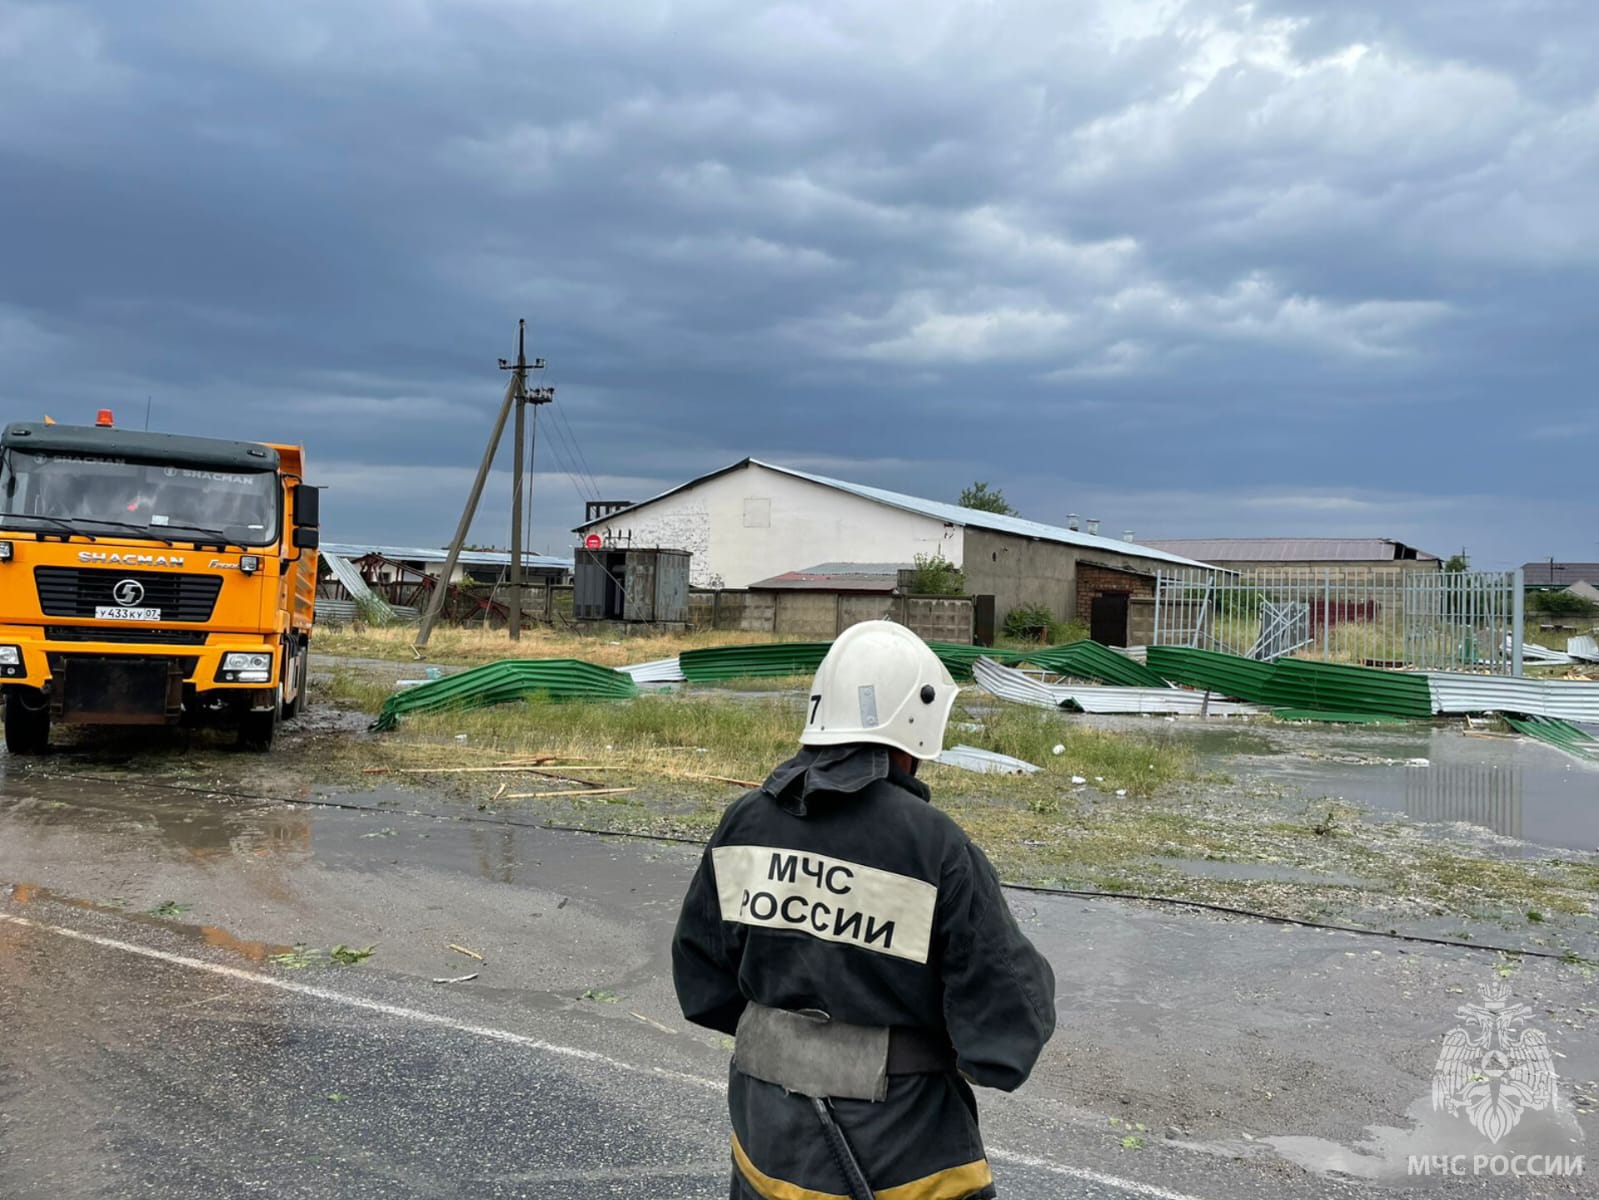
827	898
130	560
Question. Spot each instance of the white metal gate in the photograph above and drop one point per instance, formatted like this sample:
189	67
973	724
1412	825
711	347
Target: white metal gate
1421	620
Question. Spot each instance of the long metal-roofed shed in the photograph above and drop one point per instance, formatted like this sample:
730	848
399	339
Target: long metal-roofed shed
754	520
481	566
1554	575
1256	554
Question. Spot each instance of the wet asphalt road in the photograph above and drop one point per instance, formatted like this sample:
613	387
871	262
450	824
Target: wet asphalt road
172	1057
163	1079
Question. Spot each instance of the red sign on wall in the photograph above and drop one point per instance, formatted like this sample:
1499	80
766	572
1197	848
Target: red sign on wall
593	542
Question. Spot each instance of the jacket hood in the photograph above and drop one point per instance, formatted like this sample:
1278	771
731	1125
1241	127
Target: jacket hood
836	770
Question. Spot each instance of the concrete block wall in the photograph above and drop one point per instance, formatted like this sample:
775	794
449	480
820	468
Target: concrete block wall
853	609
747	612
822	616
939	618
804	614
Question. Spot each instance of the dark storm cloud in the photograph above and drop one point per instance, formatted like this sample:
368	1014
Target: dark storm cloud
1295	268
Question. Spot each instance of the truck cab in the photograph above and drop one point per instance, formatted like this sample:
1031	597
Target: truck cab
152	579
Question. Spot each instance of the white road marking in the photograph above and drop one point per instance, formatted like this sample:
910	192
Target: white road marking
377	1006
488	1032
1153	1191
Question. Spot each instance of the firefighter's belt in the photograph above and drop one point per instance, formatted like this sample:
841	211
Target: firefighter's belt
815	1056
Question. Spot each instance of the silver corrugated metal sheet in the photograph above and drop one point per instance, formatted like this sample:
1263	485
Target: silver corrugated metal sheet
1007	683
1010	684
662	670
1156	702
1566	699
335	612
1583	648
1531	652
347	574
986	762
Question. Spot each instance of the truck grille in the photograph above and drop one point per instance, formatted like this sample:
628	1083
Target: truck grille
76	592
135	634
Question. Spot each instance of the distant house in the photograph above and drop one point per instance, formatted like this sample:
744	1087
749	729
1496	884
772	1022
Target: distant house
1265	554
753	520
1550	575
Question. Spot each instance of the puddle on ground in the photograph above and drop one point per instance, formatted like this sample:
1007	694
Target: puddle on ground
1516	789
211	935
1394	1157
201	825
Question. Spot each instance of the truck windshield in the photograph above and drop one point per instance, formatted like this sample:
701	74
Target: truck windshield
107	494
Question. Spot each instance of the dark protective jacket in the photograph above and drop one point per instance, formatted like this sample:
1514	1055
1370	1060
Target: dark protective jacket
838	888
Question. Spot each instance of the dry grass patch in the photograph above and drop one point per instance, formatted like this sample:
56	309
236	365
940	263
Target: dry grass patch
473	647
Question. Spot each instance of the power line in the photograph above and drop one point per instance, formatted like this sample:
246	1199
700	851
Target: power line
585	488
578	446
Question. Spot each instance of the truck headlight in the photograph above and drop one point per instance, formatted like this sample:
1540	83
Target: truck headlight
10	661
250	563
6	551
246	667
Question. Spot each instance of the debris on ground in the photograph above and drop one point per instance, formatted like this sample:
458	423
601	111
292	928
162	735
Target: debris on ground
507	682
985	762
468	953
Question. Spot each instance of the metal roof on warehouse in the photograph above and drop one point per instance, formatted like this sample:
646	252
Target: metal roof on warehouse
1294	549
949	514
431	554
1560	574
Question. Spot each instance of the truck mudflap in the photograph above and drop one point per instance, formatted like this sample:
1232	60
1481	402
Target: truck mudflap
117	689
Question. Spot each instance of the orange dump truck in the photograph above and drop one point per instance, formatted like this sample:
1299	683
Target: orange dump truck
152	579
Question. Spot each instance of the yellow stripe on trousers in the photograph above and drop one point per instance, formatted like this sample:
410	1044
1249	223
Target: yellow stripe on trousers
953	1183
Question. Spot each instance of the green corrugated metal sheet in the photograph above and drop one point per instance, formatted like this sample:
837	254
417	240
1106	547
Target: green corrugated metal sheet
1090	660
1297	684
1562	735
1210	671
802	658
960	658
507	682
1294	714
749	662
1309	686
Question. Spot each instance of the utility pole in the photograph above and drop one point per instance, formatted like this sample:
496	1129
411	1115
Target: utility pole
518	394
519	470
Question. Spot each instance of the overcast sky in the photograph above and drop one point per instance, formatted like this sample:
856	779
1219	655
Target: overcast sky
1194	268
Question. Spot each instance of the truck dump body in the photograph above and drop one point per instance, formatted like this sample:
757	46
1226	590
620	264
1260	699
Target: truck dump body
151	579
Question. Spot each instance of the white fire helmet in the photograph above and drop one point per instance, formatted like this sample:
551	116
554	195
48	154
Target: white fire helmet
880	683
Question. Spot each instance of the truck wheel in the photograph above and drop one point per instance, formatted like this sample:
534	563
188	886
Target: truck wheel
27	728
258	729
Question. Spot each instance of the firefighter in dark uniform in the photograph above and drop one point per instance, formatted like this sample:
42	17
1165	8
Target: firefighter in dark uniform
859	948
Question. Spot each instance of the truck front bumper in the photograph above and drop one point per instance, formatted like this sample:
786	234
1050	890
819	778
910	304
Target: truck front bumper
132	682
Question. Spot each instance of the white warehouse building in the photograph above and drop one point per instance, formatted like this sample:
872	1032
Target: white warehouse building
754	520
